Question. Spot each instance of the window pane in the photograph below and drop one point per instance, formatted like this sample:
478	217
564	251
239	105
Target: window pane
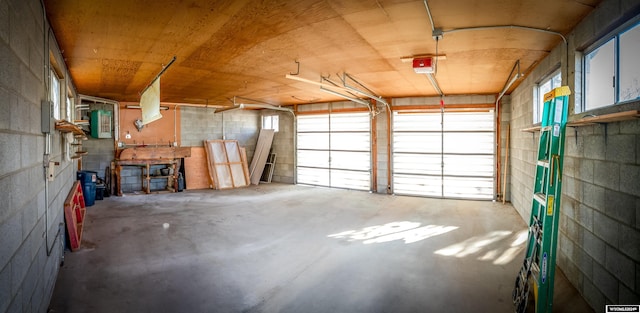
545	86
599	73
55	95
629	65
69	116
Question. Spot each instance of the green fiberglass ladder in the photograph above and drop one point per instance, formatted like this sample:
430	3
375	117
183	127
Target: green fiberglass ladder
538	269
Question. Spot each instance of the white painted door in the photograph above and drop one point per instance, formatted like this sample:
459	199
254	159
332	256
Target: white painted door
448	155
334	150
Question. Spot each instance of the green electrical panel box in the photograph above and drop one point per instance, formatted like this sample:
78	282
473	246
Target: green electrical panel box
101	124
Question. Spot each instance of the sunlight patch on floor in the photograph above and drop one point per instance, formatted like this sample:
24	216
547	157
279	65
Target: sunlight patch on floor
490	247
409	232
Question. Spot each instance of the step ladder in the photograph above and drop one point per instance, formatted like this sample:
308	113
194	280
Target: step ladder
538	269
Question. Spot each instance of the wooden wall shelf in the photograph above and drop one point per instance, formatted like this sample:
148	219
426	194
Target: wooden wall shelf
67	127
532	129
594	120
605	118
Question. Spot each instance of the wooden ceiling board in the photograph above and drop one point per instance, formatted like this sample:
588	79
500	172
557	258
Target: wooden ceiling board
228	48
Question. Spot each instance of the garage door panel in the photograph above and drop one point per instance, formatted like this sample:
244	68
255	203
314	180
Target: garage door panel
407	142
468	165
313	176
350	122
307	123
417	122
423	164
310	158
351	141
350	179
468	187
350	160
476	121
423	185
313	141
472	143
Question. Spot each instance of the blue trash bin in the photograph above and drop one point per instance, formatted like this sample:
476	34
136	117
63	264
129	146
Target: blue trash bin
88	181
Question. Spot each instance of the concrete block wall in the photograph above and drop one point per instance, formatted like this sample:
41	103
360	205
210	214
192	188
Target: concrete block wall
600	211
505	127
199	124
283	146
31	211
100	150
382	137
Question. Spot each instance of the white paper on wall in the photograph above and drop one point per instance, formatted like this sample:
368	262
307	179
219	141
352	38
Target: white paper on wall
150	103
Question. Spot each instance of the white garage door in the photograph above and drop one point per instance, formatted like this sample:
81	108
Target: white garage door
448	155
334	150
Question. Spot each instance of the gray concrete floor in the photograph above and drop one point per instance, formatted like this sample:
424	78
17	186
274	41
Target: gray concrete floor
286	248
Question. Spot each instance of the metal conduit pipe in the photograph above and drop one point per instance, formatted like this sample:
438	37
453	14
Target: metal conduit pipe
434	83
426	5
455	30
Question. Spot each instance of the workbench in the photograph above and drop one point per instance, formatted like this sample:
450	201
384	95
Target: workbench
172	179
147	157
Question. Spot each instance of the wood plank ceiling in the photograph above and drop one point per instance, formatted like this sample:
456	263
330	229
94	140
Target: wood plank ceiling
244	48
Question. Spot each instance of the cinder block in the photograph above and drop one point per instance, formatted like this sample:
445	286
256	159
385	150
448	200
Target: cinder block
622	267
566	246
586	170
595	147
573	147
627	296
593	196
30	283
606	228
11	234
585	217
10	153
630	242
637	277
20	264
584	262
6	209
621	148
4	28
631	127
569	207
572	188
629	178
5	288
29	217
605	282
637	213
573	230
620	206
7	100
594	246
593	295
607	174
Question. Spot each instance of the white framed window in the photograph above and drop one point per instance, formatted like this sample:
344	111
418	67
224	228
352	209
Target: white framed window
554	80
55	95
271	122
70	109
611	70
629	65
